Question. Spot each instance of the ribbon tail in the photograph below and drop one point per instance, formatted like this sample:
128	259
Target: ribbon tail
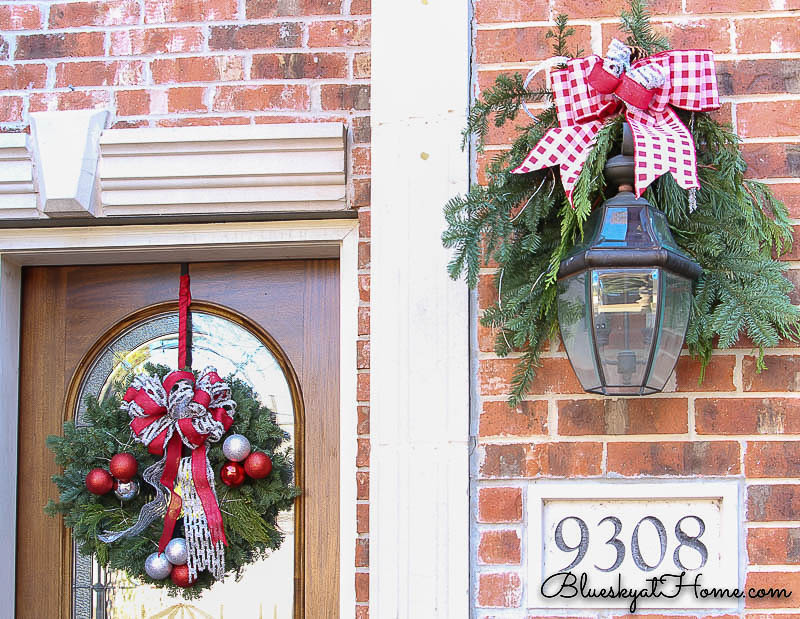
662	144
567	147
172	460
205	490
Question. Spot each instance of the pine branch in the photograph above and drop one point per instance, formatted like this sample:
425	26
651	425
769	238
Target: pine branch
636	22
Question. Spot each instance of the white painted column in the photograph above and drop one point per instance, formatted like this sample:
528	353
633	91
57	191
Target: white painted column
419	504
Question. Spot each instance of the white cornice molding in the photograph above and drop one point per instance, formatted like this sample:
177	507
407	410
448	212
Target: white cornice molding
232	169
17	191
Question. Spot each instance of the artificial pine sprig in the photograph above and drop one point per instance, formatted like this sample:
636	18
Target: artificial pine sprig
525	224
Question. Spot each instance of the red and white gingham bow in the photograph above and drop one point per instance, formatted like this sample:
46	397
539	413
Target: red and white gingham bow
586	94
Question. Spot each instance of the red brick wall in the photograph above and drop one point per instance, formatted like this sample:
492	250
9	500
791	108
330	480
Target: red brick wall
164	63
732	426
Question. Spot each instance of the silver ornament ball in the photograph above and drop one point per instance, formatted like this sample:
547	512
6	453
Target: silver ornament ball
125	491
236	447
176	551
157	566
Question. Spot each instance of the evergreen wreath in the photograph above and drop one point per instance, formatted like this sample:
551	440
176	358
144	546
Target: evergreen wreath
525	224
249	511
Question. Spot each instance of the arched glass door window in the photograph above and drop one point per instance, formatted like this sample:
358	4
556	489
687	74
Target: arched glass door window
235	351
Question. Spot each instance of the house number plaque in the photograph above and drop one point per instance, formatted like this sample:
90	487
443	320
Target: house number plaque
610	544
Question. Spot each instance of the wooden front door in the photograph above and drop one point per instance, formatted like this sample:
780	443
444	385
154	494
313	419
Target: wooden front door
66	310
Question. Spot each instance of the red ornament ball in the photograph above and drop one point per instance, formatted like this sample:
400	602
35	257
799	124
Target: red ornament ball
99	481
180	576
232	474
123	466
258	465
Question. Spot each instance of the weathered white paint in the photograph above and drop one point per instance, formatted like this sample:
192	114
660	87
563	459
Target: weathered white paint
419	507
65	151
17	191
178	243
676	505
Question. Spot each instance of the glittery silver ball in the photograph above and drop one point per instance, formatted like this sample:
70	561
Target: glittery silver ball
157	566
125	491
176	551
236	447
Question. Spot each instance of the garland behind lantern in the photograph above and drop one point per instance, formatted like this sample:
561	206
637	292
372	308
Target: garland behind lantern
527	217
183	528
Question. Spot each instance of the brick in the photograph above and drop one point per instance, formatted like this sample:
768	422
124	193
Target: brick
766	76
362	518
99	73
345	96
362	587
554	376
360	158
773	502
258	98
362	485
724	114
674	458
578	9
488	11
773	546
362	65
132	102
499	590
767	119
10	109
363	420
361	7
363	320
299	66
487	337
22	76
186	99
718	374
260	9
255	36
138	41
362	455
362	552
789	582
363	288
499	419
772	160
695	33
772	459
20	17
70	100
487	290
747	416
362	612
362	387
542	460
789	194
364	257
348	33
362	354
736	6
362	189
72	44
623	416
197	69
782	373
362	130
203	121
767	35
794	252
523	44
78	14
160	12
499	547
130	124
499	505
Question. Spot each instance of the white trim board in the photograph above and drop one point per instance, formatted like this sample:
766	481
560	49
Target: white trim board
177	243
419	334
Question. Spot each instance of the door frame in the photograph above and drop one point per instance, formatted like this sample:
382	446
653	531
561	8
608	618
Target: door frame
131	244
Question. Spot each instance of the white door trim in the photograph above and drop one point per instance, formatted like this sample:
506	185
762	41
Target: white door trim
419	366
178	243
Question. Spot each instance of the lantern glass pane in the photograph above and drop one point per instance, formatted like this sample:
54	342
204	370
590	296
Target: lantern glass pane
574	320
624	311
677	302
